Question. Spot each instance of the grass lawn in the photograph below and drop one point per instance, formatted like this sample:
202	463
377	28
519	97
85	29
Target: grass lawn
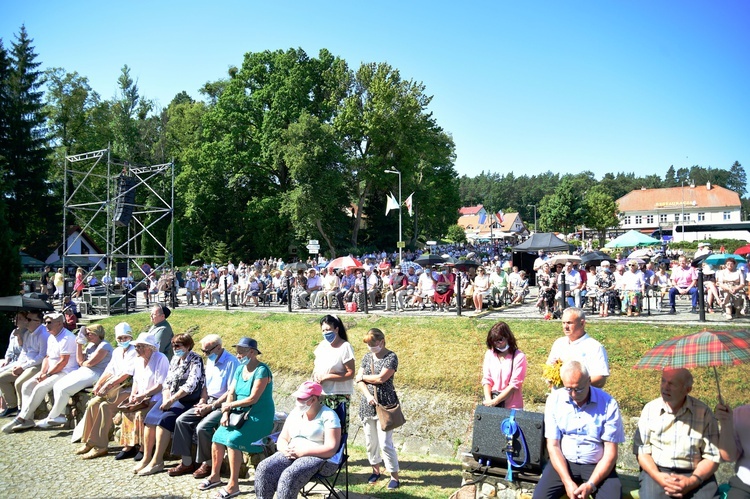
445	353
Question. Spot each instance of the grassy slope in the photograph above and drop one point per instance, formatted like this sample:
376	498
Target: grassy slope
446	352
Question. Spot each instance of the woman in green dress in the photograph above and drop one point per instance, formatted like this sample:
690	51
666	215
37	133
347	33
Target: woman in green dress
250	394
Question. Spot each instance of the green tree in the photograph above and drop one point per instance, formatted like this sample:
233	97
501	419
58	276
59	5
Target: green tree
316	197
27	190
562	210
456	234
737	180
600	211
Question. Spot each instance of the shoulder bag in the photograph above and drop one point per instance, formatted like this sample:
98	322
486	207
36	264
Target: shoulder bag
237	419
390	416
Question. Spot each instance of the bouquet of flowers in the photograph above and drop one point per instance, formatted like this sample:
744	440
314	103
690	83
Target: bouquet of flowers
551	374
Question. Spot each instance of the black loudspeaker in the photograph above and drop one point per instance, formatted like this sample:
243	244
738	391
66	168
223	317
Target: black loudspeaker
124	200
122	269
489	443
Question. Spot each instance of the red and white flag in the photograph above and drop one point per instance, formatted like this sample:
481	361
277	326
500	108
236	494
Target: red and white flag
408	204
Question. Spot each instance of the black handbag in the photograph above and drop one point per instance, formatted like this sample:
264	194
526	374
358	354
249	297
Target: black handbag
237	419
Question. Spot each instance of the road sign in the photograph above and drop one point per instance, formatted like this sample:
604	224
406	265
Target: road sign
401	244
312	242
313	247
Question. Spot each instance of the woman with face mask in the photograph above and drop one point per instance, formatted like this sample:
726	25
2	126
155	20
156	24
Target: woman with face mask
503	370
376	373
181	390
250	394
334	364
311	435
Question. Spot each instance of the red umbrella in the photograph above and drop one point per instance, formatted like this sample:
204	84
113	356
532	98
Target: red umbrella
703	349
344	262
744	250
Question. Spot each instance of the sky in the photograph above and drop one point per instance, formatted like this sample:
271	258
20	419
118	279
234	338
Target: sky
523	87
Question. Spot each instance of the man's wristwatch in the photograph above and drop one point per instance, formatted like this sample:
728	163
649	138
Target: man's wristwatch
594	488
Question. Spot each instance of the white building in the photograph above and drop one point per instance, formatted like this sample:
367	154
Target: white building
705	211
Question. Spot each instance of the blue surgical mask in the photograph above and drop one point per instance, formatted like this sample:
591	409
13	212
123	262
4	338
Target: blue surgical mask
179	353
244	361
212	357
123	344
329	336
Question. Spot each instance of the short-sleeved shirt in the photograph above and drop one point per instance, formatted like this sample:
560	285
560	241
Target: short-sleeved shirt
122	362
681	439
585	349
582	431
501	372
34	347
684	278
220	373
147	377
62	344
298	426
386	391
91	350
331	360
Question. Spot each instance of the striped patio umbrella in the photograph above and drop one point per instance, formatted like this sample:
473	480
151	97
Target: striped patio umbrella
703	349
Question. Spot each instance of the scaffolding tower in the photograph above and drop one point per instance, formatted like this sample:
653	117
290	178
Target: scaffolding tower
97	190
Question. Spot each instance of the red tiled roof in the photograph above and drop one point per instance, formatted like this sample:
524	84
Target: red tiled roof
470	210
672	197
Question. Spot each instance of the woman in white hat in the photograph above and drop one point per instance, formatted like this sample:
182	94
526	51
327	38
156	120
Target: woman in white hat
151	369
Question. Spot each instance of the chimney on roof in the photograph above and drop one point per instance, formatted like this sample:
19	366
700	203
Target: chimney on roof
708	186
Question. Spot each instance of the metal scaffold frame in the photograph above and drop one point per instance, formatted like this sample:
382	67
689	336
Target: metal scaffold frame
93	181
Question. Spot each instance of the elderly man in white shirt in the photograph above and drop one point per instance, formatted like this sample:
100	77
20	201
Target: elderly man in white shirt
314	287
59	361
572	280
202	419
33	350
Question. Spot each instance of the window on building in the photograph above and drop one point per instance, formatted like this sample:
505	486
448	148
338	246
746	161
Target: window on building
686	217
701	217
626	220
727	215
676	217
662	218
638	219
649	219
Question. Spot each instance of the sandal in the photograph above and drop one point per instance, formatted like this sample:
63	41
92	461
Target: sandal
223	494
208	484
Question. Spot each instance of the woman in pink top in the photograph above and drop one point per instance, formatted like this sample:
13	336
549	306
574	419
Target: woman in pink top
503	370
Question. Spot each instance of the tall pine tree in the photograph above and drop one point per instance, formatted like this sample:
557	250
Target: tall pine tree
35	222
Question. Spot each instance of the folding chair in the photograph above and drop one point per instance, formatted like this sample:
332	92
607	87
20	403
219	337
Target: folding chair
341	459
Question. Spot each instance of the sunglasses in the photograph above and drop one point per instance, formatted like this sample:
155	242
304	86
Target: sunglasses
206	352
176	344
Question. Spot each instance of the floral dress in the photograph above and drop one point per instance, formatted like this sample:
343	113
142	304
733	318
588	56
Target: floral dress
604	281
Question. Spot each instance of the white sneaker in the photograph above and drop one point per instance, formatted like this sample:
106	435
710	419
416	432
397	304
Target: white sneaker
52	422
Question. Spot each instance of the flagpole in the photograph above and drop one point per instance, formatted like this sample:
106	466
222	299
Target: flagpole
400	245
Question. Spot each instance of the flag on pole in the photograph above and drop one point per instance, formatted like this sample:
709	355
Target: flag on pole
408	204
483	217
501	216
391	204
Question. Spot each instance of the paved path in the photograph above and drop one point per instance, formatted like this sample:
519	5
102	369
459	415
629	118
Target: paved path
42	464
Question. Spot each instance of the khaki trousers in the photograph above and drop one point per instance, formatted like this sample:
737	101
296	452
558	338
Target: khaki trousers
98	420
10	385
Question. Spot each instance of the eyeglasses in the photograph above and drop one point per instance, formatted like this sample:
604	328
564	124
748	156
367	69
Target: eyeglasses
176	344
47	323
573	390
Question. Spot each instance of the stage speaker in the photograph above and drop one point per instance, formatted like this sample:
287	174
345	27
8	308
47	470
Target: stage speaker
122	269
489	442
124	200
